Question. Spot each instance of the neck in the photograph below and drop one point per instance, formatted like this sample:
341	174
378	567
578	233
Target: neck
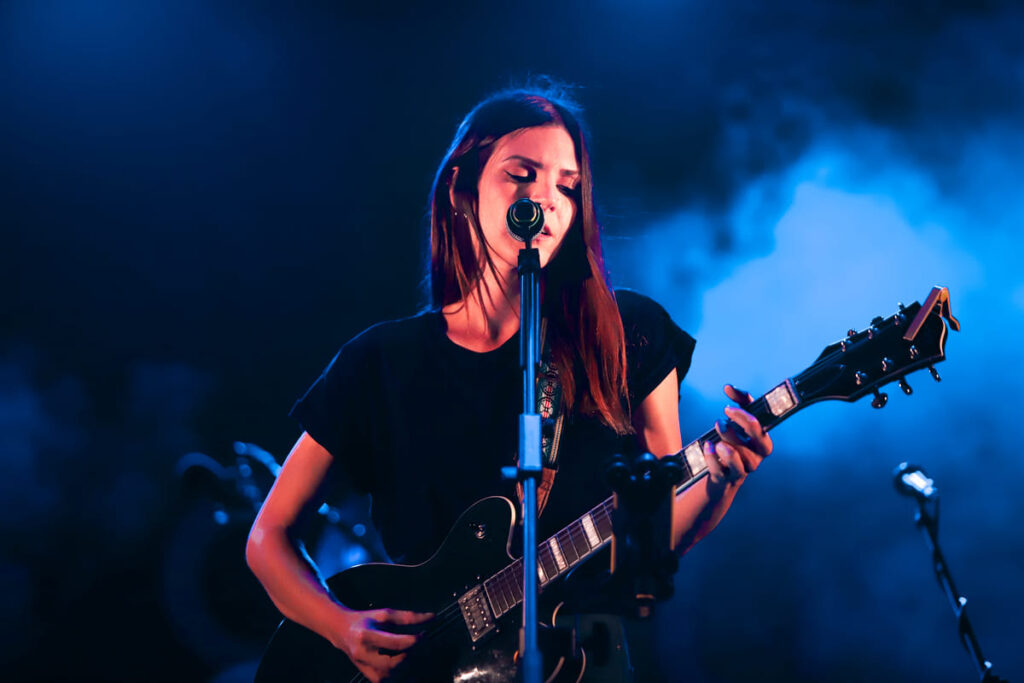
489	315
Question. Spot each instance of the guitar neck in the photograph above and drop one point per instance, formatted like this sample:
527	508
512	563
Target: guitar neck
770	410
886	351
584	537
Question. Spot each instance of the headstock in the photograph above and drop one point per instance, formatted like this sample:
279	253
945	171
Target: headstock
890	348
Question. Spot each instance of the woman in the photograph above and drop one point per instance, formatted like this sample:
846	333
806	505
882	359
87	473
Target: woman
422	412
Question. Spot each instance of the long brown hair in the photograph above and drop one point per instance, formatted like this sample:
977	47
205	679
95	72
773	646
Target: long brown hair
584	327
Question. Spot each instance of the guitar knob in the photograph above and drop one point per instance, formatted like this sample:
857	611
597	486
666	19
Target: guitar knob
880	399
935	373
860	378
905	387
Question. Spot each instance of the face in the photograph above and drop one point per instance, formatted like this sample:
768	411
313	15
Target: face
537	163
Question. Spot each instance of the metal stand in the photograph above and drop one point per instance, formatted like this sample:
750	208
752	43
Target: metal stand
643	560
912	480
530	466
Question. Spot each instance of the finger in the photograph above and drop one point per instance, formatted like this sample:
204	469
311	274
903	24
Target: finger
732	464
738	395
747	422
749	458
758	441
382	640
711	460
731	434
402	617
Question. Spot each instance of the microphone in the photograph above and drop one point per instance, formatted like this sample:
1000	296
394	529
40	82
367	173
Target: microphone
912	480
525	219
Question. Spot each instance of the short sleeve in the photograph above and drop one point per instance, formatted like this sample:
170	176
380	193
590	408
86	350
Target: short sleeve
655	345
334	409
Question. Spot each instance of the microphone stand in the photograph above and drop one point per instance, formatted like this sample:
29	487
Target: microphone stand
529	469
923	491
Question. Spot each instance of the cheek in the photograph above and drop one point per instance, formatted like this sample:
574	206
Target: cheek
570	212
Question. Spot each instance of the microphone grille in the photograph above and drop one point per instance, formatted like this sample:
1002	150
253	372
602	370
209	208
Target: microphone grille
525	219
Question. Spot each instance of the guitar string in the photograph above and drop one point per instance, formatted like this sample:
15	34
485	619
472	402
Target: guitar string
448	616
506	578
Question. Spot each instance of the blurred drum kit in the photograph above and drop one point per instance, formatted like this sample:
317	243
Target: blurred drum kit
216	607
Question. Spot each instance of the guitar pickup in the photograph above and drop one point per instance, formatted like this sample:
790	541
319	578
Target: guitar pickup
476	613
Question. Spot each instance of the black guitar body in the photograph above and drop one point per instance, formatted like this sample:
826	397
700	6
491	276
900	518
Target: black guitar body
476	547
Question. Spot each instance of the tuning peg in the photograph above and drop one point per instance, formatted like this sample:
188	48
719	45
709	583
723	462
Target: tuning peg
935	373
851	332
887	364
879	400
905	387
860	378
913	352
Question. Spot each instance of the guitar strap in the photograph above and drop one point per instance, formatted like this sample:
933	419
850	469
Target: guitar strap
552	417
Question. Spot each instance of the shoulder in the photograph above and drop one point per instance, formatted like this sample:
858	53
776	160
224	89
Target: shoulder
643	317
383	341
655	344
395	333
637	307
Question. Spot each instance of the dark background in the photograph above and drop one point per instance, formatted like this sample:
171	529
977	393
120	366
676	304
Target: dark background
201	201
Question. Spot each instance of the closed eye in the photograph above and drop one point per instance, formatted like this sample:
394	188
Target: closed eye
530	176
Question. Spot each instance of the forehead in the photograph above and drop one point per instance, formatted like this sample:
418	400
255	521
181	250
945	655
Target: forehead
549	146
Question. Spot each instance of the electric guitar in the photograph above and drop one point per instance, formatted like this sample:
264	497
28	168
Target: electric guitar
473	584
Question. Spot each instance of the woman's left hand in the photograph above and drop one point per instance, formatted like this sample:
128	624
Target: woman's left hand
739	452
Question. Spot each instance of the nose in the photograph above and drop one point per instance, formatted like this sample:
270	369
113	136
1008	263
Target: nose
544	194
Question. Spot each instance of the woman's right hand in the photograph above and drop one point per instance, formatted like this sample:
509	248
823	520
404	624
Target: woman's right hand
375	651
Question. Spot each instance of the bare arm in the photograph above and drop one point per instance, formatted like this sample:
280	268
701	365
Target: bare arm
291	580
699	509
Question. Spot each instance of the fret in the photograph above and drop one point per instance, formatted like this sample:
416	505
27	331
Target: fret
603	521
517	586
512	577
547	560
694	457
498	604
578	540
565	543
782	399
556	551
588	527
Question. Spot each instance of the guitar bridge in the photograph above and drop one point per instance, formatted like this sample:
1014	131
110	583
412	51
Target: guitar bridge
476	613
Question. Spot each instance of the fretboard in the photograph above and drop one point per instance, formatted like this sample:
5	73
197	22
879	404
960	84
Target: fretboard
577	542
555	557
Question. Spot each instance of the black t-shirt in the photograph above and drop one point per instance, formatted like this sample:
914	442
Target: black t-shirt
425	425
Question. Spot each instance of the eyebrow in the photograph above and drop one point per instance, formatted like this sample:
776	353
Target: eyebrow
539	166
